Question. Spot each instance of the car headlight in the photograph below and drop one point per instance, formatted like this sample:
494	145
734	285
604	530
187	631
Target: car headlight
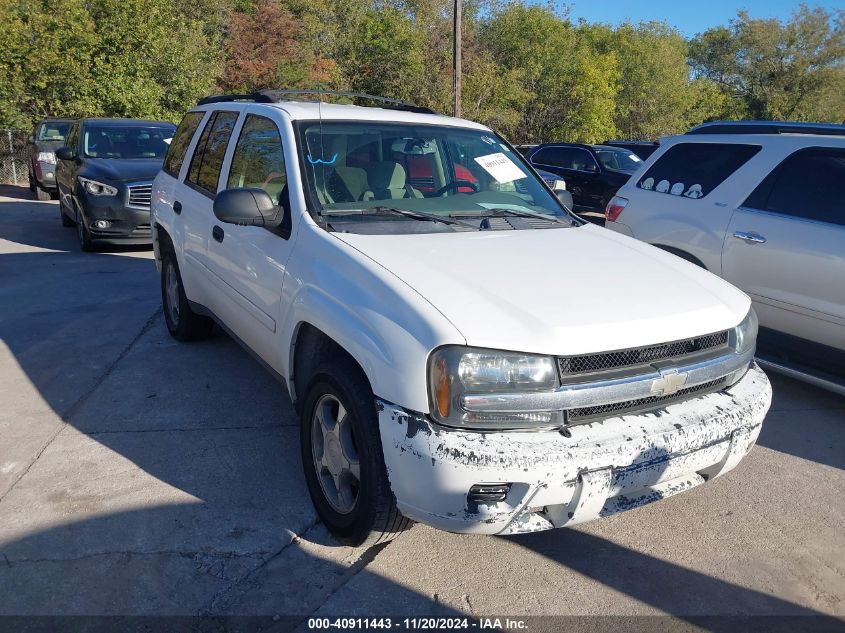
47	157
455	371
96	188
744	335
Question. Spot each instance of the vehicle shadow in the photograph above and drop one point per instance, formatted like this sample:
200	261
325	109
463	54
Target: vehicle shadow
789	429
168	476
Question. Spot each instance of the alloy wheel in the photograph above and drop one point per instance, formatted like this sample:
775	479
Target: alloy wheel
171	287
335	454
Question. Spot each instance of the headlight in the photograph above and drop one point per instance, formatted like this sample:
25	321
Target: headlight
455	371
47	157
96	188
744	336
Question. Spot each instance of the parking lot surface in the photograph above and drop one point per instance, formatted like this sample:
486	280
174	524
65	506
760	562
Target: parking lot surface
143	476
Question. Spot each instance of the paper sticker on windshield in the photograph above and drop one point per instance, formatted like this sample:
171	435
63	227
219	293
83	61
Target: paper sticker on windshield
502	168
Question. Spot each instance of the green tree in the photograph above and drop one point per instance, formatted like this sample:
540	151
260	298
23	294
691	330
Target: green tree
101	58
655	96
571	85
778	70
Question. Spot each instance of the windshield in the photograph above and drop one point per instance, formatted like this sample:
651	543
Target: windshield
53	131
114	141
447	172
619	159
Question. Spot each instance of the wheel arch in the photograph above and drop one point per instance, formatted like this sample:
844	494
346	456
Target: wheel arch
682	254
310	347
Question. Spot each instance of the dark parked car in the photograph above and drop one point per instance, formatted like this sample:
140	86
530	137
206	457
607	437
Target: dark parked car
105	174
48	135
592	173
643	149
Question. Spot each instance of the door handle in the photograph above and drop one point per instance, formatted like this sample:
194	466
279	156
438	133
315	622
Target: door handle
751	238
217	233
177	207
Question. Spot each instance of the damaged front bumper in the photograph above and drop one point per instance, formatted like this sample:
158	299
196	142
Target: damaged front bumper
554	481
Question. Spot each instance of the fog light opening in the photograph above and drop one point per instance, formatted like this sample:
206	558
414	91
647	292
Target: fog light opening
488	493
102	224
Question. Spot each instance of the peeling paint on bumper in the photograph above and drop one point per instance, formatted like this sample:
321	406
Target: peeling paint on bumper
605	467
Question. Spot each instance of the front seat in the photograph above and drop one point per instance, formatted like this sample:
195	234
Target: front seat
387	182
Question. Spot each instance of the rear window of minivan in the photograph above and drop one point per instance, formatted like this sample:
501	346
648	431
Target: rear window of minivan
695	169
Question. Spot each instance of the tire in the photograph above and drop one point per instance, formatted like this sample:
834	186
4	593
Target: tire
360	510
41	195
32	183
84	235
183	323
66	220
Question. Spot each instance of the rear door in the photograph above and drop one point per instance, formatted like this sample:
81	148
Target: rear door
580	171
195	201
248	262
786	247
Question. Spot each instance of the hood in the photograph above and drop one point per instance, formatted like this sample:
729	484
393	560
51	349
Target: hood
557	291
117	169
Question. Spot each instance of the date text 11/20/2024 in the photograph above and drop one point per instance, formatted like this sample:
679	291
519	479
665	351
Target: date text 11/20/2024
424	623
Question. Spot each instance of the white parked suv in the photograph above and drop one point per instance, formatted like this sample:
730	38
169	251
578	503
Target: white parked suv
421	295
764	209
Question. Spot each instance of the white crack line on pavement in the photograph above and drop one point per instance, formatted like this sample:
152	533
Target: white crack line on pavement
71	411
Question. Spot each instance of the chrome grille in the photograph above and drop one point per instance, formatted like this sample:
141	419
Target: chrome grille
640	355
585	414
140	195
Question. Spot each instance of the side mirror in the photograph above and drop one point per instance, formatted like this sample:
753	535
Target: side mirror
247	207
65	153
565	199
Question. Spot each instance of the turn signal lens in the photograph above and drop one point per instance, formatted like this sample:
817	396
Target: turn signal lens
615	207
442	386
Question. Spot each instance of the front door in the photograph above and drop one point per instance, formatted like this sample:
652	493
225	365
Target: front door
786	247
250	261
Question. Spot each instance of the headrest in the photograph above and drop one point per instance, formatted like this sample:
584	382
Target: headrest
386	174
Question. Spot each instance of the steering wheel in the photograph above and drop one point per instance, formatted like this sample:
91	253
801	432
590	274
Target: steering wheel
455	184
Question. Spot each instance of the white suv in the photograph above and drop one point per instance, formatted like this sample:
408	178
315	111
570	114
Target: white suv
766	212
412	284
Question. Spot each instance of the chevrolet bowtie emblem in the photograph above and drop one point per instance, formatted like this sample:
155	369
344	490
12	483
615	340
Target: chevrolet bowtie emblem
668	383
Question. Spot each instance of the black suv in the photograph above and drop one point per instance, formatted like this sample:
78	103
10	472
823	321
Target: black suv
592	173
48	135
105	174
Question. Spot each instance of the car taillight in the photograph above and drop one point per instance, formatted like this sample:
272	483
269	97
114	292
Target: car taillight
616	205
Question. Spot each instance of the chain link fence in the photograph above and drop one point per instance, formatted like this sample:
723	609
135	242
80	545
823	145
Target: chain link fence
14	169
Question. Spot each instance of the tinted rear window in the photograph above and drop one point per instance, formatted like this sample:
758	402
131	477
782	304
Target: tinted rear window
181	140
208	155
695	169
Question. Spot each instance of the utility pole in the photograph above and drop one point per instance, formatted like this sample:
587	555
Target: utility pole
457	55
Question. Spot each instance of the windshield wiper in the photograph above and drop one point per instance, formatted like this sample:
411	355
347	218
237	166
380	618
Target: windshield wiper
416	215
499	212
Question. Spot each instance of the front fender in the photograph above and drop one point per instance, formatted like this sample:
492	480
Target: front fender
385	325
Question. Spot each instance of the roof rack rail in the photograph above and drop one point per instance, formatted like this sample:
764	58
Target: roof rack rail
274	95
389	103
257	97
768	127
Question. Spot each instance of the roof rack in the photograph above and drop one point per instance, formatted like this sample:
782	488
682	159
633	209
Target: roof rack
284	94
256	97
768	127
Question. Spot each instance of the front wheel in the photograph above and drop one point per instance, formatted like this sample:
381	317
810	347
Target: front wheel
83	234
183	323
66	219
343	459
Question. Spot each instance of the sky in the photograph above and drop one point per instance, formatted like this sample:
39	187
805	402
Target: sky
688	16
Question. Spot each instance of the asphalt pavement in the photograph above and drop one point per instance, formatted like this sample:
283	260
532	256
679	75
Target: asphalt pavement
141	476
